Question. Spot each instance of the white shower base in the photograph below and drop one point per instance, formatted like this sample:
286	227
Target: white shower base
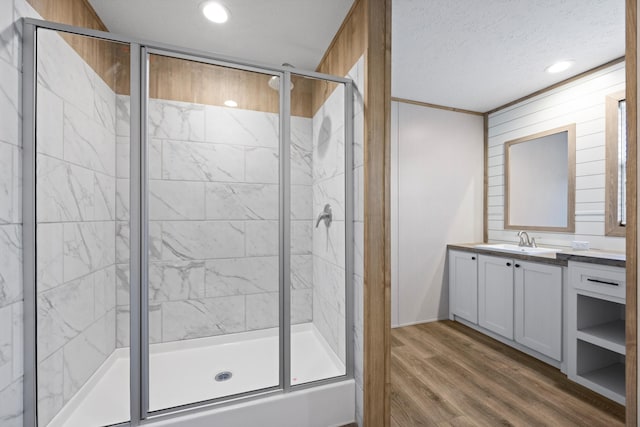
183	372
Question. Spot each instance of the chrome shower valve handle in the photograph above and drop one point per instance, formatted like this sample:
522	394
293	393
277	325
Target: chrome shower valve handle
325	215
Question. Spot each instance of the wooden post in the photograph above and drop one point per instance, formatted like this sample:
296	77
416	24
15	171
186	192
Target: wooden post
377	238
631	360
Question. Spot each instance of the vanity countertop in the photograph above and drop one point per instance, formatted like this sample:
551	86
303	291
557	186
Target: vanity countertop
594	256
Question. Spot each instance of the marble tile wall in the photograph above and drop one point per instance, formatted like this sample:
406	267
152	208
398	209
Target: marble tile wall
76	216
11	287
213	209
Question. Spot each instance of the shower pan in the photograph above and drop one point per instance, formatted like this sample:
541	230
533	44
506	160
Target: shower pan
172	259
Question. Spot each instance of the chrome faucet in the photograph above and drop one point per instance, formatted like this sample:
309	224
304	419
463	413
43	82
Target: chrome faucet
525	241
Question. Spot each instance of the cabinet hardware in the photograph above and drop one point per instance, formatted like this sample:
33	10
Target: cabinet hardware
508	264
473	258
603	282
517	265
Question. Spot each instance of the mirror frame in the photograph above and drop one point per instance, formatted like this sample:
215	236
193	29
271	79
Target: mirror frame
571	180
612	227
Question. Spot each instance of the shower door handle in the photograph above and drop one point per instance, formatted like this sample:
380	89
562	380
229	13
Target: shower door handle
325	215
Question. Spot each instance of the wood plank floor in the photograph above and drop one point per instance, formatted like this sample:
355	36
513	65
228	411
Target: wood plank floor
446	374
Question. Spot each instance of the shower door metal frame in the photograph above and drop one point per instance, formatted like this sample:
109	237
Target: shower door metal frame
139	333
284	227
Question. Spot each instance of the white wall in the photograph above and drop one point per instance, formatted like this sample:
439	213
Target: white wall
581	102
437	198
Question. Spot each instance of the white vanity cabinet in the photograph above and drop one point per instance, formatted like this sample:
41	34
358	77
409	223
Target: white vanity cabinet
573	321
522	301
518	302
463	285
538	307
495	295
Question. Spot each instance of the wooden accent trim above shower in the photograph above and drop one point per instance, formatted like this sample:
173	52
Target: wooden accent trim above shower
177	79
171	79
79	13
347	46
200	83
100	55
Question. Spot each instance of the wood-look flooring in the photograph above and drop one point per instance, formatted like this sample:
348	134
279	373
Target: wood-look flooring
446	374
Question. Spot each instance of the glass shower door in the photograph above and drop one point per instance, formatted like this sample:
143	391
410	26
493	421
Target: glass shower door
175	225
319	218
213	188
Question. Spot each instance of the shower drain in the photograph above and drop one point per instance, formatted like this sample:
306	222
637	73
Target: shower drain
223	376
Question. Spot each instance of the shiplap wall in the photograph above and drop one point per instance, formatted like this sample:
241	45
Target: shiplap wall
581	102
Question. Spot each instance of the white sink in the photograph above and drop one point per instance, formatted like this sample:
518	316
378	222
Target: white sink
506	247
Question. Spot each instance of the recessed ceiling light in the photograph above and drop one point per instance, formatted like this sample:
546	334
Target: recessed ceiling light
559	66
231	103
215	12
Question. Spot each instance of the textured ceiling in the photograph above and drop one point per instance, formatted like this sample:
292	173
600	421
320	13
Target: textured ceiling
479	55
269	32
470	54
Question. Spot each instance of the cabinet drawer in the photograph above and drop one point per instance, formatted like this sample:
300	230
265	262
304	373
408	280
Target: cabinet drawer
601	279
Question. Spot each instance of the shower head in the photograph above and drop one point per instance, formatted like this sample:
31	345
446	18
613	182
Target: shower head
274	81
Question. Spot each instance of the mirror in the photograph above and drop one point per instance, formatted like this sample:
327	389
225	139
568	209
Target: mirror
616	164
540	175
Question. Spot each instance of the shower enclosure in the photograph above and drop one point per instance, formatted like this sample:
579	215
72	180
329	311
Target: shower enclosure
187	228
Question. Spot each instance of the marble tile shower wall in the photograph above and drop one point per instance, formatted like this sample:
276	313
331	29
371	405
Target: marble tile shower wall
213	210
328	242
11	288
76	189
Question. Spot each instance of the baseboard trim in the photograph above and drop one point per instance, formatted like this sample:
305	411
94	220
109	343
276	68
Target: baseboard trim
402	325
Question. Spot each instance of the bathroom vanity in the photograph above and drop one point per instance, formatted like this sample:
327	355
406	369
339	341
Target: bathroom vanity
596	329
562	307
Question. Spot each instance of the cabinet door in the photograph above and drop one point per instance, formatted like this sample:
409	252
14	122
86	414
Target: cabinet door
463	285
495	295
538	307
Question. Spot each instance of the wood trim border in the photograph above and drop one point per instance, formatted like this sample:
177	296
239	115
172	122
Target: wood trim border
100	55
333	46
485	195
612	227
509	104
571	180
377	235
440	107
562	83
346	48
631	315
